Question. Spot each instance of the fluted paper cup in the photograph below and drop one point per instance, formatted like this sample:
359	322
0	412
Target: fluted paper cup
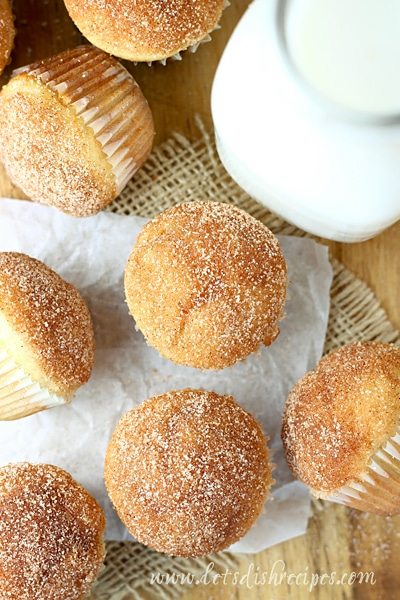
377	490
109	101
20	396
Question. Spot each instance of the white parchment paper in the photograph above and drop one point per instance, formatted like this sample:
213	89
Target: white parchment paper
92	253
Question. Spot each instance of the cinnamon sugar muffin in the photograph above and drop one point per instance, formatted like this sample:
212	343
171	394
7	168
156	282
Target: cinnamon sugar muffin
51	535
188	472
46	337
74	129
7	33
341	428
206	284
146	30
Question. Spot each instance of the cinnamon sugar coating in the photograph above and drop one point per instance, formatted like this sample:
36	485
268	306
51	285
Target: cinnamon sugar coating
145	30
206	284
49	153
74	128
341	413
45	324
51	534
7	33
188	472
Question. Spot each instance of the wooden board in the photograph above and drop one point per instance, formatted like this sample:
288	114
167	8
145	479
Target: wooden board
338	539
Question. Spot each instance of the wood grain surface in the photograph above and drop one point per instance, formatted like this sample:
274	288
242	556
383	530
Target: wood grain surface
338	539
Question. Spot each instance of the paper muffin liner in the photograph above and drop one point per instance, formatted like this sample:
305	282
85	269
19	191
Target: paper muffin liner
377	490
20	396
193	47
109	101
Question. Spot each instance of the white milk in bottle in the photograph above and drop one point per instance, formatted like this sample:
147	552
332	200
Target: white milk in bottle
348	50
306	108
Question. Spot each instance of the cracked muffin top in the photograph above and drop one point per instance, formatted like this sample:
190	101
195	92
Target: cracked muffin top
206	284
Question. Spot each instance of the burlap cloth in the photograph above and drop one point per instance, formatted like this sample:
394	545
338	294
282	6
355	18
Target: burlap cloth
178	171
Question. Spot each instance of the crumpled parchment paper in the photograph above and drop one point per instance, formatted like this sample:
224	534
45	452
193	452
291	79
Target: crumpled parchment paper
92	253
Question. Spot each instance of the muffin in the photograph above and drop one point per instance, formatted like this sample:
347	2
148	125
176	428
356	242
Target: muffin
7	33
188	472
143	31
73	130
341	428
46	337
51	534
206	284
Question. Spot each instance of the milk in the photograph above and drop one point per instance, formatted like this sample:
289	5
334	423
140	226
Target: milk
348	50
325	169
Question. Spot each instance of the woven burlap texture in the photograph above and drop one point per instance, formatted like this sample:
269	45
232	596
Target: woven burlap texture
178	171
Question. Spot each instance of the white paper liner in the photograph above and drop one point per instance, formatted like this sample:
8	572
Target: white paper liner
377	490
92	253
178	56
109	101
193	47
20	396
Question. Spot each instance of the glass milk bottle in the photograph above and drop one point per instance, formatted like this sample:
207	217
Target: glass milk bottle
306	108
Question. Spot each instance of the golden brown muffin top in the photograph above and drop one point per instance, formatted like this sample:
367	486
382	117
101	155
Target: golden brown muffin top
206	284
188	472
49	152
341	413
45	324
51	534
7	33
145	30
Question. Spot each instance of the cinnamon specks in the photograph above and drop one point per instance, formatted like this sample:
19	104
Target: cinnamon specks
50	316
51	535
188	472
160	27
337	416
206	284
